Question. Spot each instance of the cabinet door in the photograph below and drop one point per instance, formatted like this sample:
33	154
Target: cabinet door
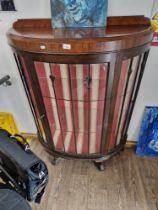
128	81
79	75
54	83
24	72
74	98
97	97
88	84
98	76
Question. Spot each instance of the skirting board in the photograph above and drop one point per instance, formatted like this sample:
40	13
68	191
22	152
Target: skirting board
129	144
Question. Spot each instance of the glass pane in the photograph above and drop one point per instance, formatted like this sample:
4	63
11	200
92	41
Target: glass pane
98	74
74	98
65	114
130	86
54	122
30	90
69	142
82	143
96	125
81	116
78	75
119	97
122	102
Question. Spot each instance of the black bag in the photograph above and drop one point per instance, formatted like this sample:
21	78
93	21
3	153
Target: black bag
21	168
9	199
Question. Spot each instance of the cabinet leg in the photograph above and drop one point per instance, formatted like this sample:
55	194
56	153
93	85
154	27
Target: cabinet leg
123	148
55	161
100	165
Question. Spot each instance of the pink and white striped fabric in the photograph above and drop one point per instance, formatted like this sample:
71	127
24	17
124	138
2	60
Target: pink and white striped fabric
98	74
25	72
119	116
74	109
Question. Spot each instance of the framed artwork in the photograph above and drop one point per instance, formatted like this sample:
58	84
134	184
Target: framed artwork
148	136
78	13
7	5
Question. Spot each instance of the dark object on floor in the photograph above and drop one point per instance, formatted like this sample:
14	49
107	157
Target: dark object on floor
7	5
22	168
9	199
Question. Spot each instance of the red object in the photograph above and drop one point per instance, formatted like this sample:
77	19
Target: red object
155	39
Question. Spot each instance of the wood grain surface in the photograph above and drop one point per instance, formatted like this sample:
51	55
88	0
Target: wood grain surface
129	182
36	35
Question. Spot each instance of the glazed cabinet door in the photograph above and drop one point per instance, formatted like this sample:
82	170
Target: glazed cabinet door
129	79
74	99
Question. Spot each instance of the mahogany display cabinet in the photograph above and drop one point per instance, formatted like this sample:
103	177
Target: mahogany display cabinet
82	84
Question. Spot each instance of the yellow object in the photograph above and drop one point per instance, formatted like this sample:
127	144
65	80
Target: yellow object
154	22
41	128
7	122
155	16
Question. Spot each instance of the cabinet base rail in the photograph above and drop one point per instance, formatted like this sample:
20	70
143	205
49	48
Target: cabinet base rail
97	159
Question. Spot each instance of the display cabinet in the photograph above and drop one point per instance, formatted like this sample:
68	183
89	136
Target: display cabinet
82	84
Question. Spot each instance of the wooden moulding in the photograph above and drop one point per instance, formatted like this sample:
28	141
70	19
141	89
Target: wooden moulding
121	33
34	137
111	21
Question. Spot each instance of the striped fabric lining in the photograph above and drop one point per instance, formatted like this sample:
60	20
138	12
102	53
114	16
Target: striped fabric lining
121	86
127	99
117	125
75	113
98	74
67	100
25	72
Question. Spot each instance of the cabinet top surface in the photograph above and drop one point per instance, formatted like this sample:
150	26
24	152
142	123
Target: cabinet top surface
37	35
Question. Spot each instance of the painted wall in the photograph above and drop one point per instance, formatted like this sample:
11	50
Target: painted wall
147	95
13	99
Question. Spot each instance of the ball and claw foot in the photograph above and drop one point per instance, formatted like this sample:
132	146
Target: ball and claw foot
123	149
55	161
100	166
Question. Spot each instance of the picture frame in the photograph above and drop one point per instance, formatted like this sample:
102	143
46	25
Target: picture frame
148	135
78	13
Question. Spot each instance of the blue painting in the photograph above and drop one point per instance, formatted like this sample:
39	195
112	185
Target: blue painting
78	13
148	136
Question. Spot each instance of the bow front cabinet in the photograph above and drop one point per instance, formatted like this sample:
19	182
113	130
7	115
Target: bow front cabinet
82	83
